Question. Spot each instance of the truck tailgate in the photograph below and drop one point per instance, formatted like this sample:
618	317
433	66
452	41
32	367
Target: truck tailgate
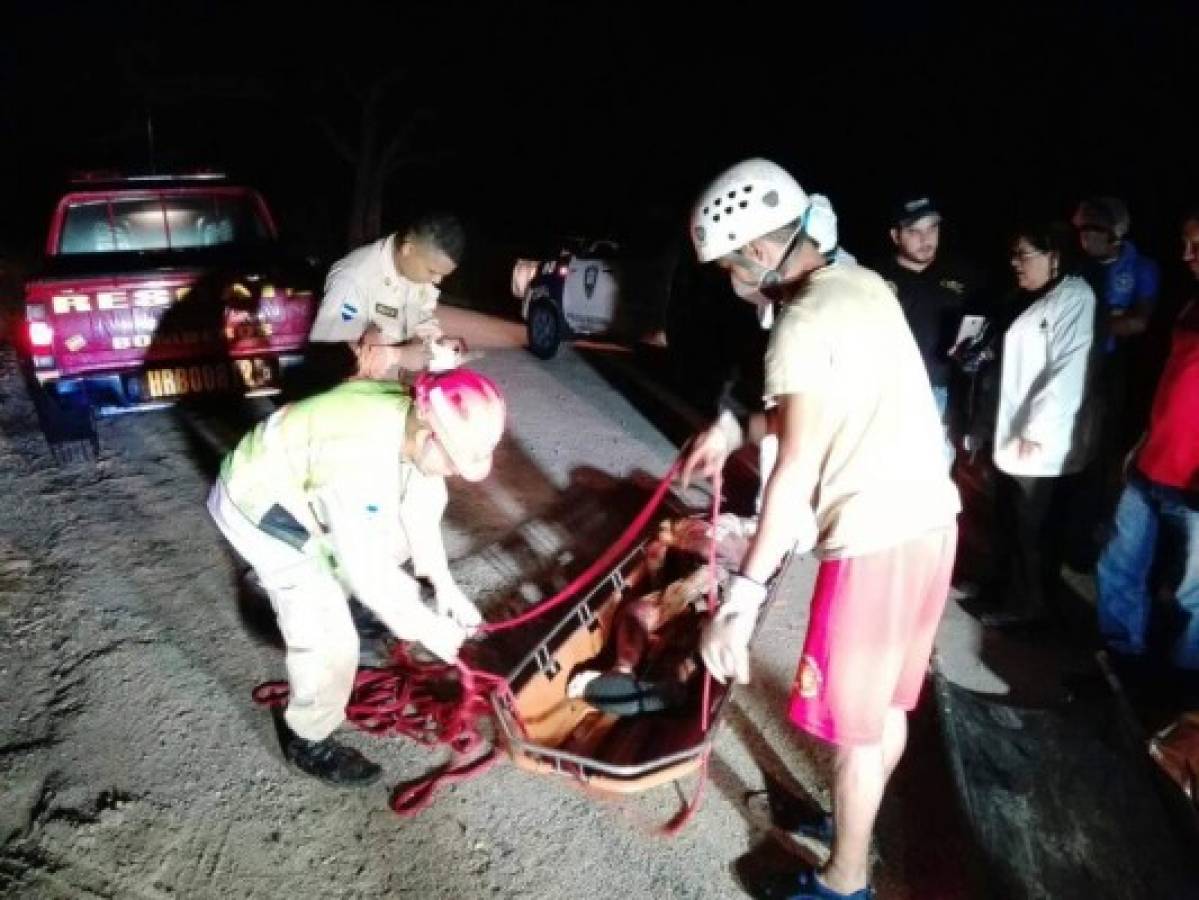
107	324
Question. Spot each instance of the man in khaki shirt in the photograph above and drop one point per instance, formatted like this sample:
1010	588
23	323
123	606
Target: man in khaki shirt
860	477
381	299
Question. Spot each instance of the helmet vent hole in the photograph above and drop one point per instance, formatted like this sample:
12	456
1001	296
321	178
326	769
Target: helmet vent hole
771	199
716	218
728	210
743	204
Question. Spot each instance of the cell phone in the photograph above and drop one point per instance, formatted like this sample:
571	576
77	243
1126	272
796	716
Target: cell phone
970	329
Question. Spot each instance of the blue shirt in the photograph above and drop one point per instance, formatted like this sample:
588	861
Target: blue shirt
1124	282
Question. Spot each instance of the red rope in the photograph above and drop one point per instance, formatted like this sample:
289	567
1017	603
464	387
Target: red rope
600	566
432	703
442	704
687	813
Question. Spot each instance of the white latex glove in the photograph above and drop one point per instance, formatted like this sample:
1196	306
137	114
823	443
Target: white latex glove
443	637
451	602
725	641
445	354
712	447
385	362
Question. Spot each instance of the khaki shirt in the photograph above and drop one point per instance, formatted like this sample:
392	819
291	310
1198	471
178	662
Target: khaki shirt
365	288
877	446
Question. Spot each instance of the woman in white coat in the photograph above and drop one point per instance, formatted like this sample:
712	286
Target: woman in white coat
1043	422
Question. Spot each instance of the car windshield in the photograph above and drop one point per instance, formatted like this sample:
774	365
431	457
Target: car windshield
160	222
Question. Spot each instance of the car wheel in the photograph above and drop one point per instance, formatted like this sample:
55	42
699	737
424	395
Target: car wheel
545	329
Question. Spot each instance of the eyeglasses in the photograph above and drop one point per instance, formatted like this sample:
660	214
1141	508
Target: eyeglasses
1019	256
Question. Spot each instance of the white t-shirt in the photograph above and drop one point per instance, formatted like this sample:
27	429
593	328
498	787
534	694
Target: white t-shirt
877	446
365	288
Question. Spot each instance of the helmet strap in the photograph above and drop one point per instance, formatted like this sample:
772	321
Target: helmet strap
770	279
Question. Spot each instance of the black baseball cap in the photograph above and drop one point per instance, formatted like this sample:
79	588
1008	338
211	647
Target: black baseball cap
913	208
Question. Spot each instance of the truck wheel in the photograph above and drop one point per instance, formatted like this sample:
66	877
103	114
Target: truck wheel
545	329
69	424
73	453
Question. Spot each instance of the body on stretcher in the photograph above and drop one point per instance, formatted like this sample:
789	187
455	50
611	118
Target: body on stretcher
638	625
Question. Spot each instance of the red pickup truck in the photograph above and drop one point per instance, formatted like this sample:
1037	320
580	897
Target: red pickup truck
158	288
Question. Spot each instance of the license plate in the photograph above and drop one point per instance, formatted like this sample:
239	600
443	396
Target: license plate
240	375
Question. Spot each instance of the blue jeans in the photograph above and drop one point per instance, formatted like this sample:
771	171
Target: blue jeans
1151	519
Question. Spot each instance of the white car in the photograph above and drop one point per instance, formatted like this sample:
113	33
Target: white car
593	289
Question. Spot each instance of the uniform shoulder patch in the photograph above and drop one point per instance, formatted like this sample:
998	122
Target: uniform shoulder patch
348	311
383	309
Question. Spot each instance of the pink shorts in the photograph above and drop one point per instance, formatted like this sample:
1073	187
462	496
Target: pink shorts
870	636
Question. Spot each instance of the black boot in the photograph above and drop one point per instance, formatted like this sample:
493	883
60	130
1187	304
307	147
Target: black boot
330	761
624	694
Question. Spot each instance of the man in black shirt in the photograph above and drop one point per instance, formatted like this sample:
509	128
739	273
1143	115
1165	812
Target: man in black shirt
932	291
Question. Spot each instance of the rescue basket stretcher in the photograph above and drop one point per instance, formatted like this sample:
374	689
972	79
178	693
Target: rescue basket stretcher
545	731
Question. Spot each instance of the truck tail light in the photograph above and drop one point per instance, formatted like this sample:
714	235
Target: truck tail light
41	334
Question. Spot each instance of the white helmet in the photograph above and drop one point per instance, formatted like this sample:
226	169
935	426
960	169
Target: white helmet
753	198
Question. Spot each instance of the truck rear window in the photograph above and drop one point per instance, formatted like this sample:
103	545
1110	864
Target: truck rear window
115	225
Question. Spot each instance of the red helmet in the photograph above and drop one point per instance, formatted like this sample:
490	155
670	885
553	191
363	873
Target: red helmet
465	409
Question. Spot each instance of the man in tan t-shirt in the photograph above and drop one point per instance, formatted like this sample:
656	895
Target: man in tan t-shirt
860	476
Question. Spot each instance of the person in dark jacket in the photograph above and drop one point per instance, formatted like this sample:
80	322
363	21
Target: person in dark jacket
933	291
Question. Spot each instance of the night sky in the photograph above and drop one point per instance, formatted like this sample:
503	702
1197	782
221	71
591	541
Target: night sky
534	121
